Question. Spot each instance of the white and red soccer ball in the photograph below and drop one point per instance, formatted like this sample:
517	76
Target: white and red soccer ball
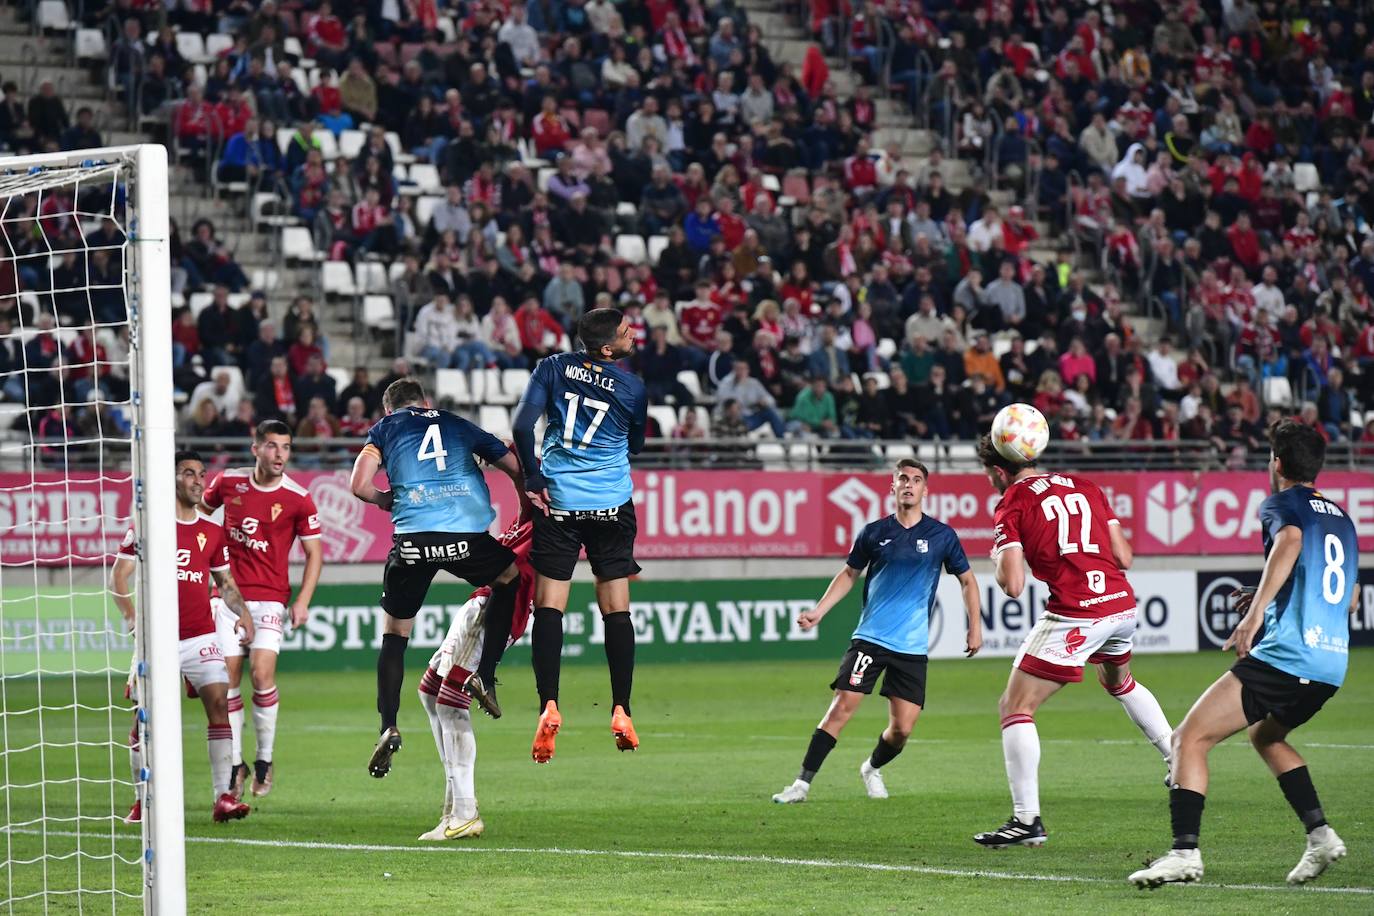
1020	432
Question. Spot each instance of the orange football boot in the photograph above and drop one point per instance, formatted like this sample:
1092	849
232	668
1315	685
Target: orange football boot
549	723
624	730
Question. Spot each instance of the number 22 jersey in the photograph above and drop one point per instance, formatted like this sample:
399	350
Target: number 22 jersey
1062	523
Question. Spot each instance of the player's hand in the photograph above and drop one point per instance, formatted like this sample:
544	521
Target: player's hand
973	643
1244	635
384	500
1242	598
245	629
539	499
300	612
807	620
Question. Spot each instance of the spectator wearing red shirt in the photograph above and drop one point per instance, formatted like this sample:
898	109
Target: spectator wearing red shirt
1245	243
326	38
232	114
539	331
1078	361
701	318
1020	56
193	118
549	131
860	171
732	225
1260	137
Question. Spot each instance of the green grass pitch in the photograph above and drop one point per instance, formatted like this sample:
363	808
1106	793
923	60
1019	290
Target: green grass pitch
686	825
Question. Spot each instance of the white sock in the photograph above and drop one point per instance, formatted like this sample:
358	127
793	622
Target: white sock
460	761
265	721
1021	752
1144	711
236	722
219	740
135	761
431	705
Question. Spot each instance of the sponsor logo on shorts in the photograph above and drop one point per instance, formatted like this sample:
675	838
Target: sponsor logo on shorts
1074	639
412	553
856	677
211	652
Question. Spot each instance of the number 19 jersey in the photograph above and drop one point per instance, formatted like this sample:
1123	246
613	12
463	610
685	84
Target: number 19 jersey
428	456
1307	625
596	415
1061	522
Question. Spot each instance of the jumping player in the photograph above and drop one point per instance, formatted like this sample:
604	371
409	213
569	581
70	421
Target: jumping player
903	555
1306	593
264	512
201	556
440	511
446	704
596	418
1064	528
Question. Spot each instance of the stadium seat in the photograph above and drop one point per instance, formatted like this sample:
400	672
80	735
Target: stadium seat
379	313
703	417
770	182
541	180
899	450
371	277
514	382
631	248
297	245
424	209
342	379
9	415
488	382
284	135
191	46
887	348
691	381
336	279
884	381
329	147
1278	392
264	279
426	178
53	16
657	244
258	211
665	417
452	383
1305	177
494	419
199	302
216	43
351	143
89	44
398	153
773	455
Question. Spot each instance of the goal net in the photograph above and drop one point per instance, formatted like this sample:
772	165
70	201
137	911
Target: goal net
86	455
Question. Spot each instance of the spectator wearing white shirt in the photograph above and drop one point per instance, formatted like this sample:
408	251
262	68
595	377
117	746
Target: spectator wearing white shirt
1268	296
451	214
1163	366
221	390
521	36
436	332
984	230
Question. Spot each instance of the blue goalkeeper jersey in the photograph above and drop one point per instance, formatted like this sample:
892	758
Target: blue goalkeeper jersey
596	415
904	566
1307	625
430	460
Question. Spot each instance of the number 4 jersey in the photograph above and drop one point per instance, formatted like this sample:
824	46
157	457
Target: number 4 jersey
429	458
1307	625
1062	524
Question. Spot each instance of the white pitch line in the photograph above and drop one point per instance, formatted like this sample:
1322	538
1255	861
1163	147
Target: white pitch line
718	857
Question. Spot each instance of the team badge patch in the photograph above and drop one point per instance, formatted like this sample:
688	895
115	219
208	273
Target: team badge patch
922	545
276	510
200	540
1074	639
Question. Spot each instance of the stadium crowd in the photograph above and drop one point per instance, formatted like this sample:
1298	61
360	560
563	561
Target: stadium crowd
1208	165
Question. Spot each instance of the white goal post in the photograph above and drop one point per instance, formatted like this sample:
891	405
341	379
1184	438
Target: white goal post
86	452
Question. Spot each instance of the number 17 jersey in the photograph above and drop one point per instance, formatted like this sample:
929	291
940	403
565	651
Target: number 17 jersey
1063	525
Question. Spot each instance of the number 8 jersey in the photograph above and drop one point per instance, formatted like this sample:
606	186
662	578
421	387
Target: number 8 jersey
1307	625
1062	523
428	456
596	413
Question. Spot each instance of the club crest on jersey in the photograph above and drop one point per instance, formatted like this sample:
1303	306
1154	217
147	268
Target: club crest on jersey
240	488
922	545
200	540
276	510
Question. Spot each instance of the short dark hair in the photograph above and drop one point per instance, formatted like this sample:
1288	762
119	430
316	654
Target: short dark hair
402	393
1300	448
270	428
913	463
991	458
186	454
598	328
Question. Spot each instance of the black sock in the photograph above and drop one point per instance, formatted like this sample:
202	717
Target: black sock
546	652
500	613
391	671
883	753
1302	795
620	656
822	743
1185	810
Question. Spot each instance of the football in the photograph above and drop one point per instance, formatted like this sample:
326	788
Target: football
1020	432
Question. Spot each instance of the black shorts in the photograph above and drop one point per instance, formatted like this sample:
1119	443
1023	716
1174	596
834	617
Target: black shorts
1267	691
607	534
415	558
905	679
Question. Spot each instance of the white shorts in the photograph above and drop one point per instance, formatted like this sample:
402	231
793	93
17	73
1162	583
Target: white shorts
1057	648
202	662
268	617
462	645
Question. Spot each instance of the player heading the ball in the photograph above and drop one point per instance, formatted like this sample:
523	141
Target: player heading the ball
1064	528
596	414
440	512
902	555
1309	586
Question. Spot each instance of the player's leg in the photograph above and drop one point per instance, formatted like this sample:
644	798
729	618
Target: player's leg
857	676
1114	674
205	670
613	600
405	585
1324	846
1021	756
428	692
226	627
1217	715
135	814
460	764
904	685
554	548
263	663
500	613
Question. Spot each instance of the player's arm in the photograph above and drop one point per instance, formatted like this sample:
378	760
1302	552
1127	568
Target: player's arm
314	565
1278	566
229	594
973	607
640	423
839	587
1121	548
365	468
1011	570
527	413
120	590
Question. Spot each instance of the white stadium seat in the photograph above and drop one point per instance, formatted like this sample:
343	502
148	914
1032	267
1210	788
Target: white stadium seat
666	418
298	245
1278	392
90	44
488	383
371	277
191	45
656	245
494	419
53	15
452	383
631	248
379	313
336	279
351	143
514	382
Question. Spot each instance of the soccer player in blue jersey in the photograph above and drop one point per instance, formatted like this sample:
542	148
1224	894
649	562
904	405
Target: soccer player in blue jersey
440	510
582	491
1306	593
903	554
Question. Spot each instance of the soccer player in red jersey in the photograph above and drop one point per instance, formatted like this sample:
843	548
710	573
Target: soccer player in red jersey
264	512
201	556
1063	527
